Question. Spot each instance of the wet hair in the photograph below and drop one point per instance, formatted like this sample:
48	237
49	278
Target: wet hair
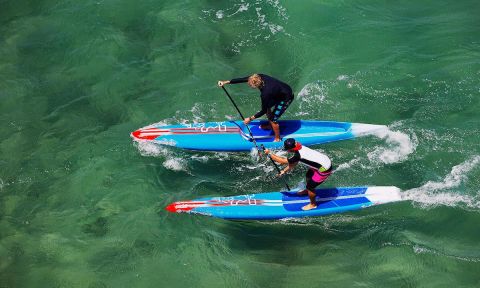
255	80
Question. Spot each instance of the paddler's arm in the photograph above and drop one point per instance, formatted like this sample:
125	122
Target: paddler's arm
281	160
278	159
288	168
263	111
233	81
258	114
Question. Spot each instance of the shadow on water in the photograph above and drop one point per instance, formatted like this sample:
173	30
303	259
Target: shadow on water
354	244
281	241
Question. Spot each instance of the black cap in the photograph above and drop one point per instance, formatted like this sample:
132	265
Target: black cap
289	144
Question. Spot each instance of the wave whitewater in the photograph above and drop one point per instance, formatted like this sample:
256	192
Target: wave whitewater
433	194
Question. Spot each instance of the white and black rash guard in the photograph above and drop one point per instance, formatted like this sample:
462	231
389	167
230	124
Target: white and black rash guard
311	158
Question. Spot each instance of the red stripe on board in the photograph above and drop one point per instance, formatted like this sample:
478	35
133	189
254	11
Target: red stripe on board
138	135
209	132
152	133
178	207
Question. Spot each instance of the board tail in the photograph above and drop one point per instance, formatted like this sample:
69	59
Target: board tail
360	129
383	194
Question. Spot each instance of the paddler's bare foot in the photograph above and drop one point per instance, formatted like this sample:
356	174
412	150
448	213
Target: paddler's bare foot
303	192
308	207
277	140
266	126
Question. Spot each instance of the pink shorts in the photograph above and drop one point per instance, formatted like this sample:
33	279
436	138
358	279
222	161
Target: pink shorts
320	177
315	178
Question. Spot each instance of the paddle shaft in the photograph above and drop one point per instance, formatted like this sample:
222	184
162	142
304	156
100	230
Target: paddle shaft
276	166
253	139
241	115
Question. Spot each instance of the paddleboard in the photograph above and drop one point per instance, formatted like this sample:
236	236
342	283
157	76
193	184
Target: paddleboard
234	136
279	205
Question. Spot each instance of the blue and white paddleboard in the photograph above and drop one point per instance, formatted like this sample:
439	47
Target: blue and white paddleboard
234	136
278	205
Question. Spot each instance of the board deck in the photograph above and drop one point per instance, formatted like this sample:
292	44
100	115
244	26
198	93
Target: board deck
234	136
279	205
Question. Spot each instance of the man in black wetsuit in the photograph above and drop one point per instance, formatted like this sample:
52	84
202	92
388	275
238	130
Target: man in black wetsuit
273	93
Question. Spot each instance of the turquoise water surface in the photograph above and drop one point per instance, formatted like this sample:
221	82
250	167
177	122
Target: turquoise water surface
81	205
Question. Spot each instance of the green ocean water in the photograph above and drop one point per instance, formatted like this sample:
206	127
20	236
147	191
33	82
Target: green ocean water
81	205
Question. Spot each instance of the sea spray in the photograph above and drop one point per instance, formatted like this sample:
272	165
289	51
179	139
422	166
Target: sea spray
147	148
432	193
348	165
254	153
175	164
400	145
171	162
312	91
310	97
263	21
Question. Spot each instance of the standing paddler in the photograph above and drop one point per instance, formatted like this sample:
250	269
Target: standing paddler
276	96
319	167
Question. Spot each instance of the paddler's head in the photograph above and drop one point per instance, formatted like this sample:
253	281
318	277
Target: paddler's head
255	81
291	145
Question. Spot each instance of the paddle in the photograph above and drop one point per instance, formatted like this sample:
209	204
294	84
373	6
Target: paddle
276	166
251	135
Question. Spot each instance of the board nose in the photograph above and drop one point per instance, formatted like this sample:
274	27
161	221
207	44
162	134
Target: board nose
171	208
147	133
178	207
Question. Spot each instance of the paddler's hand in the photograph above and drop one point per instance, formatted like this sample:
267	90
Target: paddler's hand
280	174
266	151
247	120
221	83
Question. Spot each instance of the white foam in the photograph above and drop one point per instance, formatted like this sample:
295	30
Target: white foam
268	168
348	165
221	156
400	145
439	193
175	164
148	148
198	114
281	11
312	92
219	14
254	153
243	7
273	28
342	77
310	98
203	159
155	150
244	167
263	27
164	122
